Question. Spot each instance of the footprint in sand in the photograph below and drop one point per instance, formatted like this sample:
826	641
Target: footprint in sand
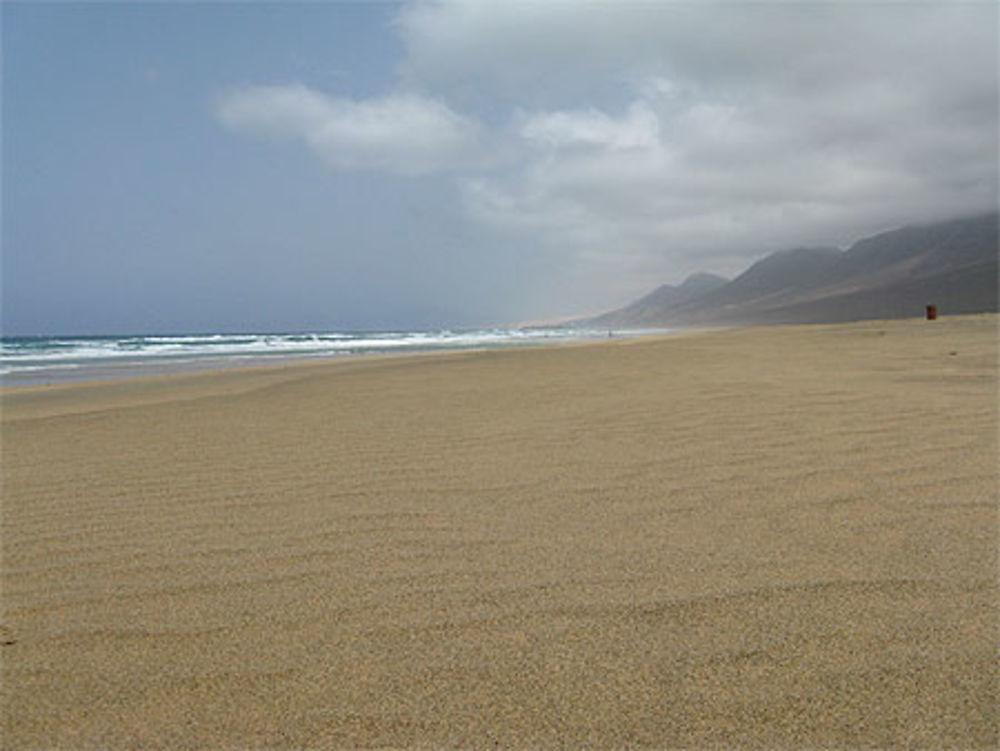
6	637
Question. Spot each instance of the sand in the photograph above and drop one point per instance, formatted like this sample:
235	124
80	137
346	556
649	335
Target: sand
775	537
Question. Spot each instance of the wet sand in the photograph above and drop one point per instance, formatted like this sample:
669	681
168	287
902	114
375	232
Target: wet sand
778	537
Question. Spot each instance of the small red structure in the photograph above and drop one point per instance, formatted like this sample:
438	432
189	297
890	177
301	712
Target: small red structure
932	312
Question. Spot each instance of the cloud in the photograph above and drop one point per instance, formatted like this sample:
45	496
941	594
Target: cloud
802	45
639	142
639	128
402	133
715	178
664	138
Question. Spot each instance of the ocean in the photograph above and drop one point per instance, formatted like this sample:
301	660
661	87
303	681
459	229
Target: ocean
28	360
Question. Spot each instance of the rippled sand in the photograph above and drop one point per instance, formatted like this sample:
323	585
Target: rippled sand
770	537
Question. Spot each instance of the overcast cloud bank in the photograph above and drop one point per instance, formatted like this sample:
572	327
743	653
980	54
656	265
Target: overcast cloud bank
651	140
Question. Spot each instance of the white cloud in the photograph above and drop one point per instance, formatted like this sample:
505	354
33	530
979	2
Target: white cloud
642	141
639	128
746	127
401	133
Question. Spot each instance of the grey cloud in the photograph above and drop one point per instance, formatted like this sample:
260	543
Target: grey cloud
762	125
638	142
798	45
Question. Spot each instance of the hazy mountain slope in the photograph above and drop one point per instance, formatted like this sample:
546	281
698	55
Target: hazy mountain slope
777	277
647	310
972	289
893	274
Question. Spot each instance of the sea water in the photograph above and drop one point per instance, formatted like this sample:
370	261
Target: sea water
43	359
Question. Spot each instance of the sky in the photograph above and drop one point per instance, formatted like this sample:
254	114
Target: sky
191	167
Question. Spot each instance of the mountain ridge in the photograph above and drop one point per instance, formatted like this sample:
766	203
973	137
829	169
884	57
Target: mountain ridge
892	274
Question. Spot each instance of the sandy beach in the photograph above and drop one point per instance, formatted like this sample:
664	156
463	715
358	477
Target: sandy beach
774	537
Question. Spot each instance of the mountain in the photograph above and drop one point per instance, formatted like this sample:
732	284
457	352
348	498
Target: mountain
647	310
893	274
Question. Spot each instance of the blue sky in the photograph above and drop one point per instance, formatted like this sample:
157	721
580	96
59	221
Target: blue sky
192	167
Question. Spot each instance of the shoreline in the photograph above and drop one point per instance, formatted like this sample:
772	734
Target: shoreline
213	368
152	367
777	537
